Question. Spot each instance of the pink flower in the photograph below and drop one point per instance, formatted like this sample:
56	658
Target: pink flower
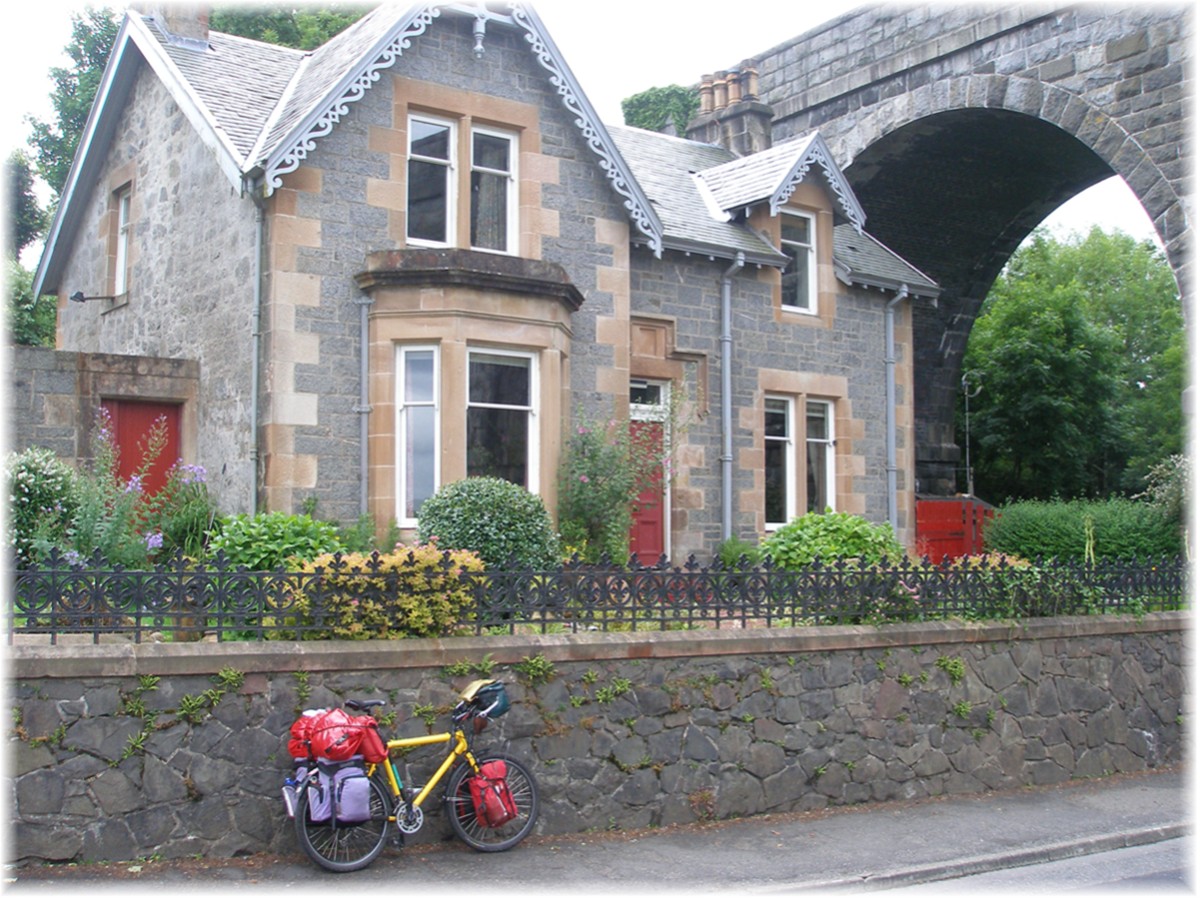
584	479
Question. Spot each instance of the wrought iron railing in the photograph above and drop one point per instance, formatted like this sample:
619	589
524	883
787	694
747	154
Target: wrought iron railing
185	600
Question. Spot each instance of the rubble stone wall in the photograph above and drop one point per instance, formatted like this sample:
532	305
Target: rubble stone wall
121	751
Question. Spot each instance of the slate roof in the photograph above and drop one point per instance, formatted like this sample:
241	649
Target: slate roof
261	107
665	166
862	260
694	186
239	81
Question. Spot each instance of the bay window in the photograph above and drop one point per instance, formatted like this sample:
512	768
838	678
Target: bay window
501	437
417	430
819	462
779	463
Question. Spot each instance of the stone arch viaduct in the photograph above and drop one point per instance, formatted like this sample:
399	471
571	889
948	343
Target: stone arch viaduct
962	127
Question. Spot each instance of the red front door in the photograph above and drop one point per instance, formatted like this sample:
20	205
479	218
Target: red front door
647	537
132	421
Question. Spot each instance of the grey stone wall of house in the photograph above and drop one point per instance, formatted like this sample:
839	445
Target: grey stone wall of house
351	229
42	407
687	291
54	394
626	731
191	281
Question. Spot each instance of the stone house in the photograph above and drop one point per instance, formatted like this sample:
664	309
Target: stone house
416	254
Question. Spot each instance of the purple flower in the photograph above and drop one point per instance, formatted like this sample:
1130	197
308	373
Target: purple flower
154	541
135	485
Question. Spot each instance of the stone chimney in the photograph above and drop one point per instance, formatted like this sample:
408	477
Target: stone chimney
182	23
731	114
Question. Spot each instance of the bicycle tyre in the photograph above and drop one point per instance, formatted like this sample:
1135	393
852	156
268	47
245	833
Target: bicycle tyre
460	810
344	848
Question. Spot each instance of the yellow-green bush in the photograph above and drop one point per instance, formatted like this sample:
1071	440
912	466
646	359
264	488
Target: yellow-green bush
411	592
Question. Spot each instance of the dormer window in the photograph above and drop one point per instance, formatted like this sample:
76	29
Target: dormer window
797	239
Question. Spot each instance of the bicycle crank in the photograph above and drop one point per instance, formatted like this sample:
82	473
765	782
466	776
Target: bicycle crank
410	820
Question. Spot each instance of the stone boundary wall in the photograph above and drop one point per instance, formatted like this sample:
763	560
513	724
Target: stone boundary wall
622	730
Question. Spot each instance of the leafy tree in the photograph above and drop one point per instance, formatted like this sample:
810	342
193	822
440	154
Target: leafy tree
28	218
92	34
31	320
654	108
303	29
1078	355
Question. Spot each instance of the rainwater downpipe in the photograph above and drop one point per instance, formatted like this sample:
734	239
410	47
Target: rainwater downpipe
889	361
363	408
727	396
260	223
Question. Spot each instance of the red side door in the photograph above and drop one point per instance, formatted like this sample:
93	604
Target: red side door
647	537
132	421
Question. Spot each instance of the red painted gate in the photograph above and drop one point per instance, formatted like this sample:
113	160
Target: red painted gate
951	526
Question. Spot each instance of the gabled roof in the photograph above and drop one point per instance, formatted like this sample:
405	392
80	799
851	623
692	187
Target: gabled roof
261	109
667	168
774	174
695	188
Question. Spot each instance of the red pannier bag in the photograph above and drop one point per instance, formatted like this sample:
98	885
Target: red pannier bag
494	804
299	743
372	748
335	736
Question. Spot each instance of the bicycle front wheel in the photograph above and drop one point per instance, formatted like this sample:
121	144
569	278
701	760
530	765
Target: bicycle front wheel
344	848
460	809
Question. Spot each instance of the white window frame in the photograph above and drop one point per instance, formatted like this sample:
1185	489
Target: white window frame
533	450
830	444
511	199
122	200
451	166
789	458
403	519
808	252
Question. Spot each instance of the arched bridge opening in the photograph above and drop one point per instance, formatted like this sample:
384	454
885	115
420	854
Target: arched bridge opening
955	193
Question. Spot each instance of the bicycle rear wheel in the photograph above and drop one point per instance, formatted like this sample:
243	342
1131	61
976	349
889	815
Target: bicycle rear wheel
344	848
460	809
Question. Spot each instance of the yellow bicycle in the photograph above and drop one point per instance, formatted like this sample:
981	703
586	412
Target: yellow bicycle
394	801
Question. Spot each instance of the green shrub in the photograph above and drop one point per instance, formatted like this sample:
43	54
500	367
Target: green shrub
268	540
362	537
605	468
735	553
412	592
41	501
183	512
499	520
829	536
1111	529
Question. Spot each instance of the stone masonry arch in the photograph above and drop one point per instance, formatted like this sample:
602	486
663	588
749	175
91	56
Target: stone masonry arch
927	184
961	128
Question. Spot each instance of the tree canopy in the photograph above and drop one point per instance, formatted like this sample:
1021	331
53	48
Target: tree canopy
654	108
301	28
92	34
1078	356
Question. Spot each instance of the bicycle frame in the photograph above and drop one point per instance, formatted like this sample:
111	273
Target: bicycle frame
460	749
